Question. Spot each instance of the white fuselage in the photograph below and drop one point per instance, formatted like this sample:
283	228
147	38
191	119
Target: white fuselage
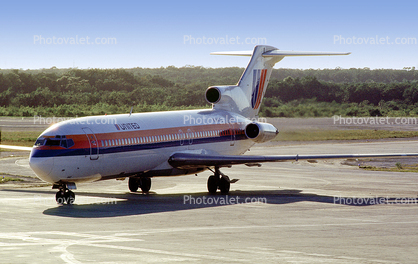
118	146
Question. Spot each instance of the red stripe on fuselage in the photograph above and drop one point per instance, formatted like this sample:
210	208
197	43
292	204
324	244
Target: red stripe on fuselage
159	135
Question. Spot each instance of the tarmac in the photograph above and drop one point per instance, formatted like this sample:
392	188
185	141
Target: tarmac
286	212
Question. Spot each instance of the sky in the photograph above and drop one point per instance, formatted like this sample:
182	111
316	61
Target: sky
153	34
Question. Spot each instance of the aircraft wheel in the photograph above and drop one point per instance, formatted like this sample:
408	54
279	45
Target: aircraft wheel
69	197
145	184
213	184
224	185
60	197
133	184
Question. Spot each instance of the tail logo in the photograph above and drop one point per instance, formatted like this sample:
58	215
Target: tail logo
259	78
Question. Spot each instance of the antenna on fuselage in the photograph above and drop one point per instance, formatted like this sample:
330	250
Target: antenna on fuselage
130	113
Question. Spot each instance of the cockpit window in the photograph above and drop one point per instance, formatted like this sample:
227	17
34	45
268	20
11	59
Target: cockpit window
59	140
39	142
53	142
67	143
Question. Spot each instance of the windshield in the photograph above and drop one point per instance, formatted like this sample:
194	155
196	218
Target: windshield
61	141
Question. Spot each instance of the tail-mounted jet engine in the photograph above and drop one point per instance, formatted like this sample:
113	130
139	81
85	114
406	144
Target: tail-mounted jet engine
261	132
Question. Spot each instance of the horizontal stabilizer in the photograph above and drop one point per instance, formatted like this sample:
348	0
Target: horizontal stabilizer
301	53
283	53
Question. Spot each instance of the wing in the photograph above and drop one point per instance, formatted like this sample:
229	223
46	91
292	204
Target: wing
15	147
190	160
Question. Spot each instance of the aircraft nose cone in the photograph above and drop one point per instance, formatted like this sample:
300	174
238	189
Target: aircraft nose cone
42	166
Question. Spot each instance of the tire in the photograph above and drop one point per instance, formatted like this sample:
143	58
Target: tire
224	185
212	184
133	184
145	184
69	197
60	197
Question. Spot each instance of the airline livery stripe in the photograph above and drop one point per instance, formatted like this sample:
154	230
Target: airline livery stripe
261	88
254	95
42	152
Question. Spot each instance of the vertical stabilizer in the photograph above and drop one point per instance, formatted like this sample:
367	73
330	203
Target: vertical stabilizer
245	98
255	78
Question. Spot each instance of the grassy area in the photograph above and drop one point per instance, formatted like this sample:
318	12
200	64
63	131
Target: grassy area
315	135
399	168
5	179
19	138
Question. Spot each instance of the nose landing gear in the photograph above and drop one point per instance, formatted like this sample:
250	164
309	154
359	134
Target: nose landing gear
65	195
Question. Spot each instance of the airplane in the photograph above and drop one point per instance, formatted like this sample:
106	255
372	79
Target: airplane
140	146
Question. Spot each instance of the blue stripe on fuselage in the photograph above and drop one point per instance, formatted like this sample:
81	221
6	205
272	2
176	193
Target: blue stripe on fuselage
127	148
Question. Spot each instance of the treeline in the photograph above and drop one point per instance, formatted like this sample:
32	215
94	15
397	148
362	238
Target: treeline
395	98
70	92
215	76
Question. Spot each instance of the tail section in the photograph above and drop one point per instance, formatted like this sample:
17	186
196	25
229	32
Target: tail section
245	98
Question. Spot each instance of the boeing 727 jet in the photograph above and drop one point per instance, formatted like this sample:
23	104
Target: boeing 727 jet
140	146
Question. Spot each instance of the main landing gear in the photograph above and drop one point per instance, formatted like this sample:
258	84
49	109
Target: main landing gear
219	181
64	195
142	182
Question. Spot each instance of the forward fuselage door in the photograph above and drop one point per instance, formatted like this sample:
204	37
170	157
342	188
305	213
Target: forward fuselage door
94	144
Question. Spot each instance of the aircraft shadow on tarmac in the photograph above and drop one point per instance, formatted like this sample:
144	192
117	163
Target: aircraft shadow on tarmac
126	204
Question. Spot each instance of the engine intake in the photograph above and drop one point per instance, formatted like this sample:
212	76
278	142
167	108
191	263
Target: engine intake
261	132
213	95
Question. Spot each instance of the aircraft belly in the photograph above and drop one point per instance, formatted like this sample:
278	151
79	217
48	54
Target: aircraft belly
129	162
